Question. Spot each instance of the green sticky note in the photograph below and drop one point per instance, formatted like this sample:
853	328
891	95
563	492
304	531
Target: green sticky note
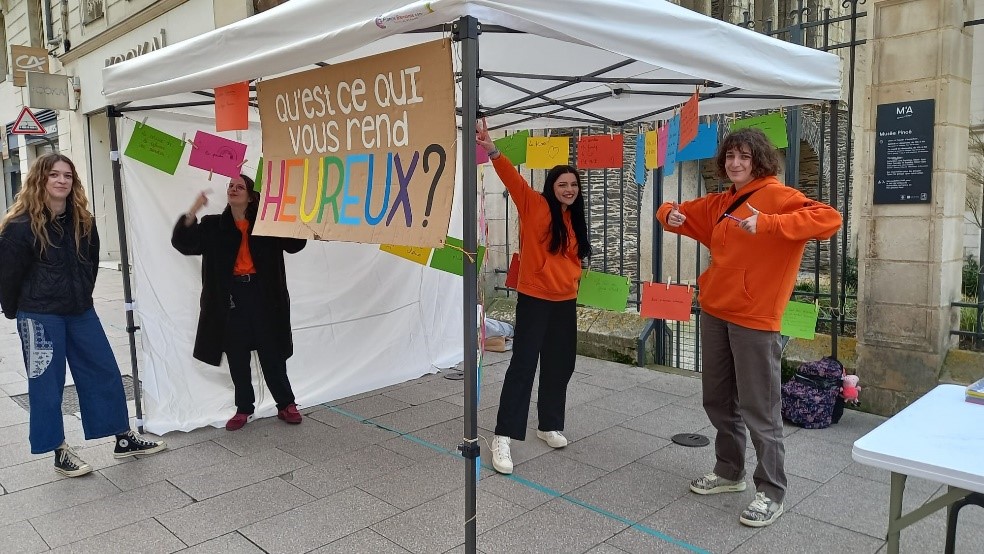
451	257
258	181
773	125
800	320
601	290
514	147
155	148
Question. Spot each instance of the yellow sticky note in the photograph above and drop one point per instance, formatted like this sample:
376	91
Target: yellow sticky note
652	152
416	254
546	152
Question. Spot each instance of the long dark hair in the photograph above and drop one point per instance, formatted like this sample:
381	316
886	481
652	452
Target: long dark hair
558	231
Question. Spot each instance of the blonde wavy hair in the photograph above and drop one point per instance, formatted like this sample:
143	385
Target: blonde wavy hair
30	201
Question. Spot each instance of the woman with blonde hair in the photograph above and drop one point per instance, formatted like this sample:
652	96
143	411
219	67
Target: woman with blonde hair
50	251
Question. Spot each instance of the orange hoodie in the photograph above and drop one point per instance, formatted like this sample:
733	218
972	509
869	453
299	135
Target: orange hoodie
751	276
542	274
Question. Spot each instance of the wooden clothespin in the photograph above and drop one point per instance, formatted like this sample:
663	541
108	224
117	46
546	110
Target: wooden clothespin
209	174
191	142
669	281
244	161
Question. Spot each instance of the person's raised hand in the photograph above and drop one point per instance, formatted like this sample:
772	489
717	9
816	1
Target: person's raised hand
750	223
482	135
675	217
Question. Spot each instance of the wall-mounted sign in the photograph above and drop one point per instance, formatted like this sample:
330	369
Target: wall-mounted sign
156	43
92	10
904	152
48	91
27	58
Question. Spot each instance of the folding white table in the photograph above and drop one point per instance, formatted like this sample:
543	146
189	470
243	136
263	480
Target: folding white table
939	437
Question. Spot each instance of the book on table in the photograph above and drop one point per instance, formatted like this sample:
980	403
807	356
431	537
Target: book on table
975	392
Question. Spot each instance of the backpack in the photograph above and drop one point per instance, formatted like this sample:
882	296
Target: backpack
810	399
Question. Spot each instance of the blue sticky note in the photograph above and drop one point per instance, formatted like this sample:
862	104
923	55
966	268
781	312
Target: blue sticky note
672	143
640	159
702	147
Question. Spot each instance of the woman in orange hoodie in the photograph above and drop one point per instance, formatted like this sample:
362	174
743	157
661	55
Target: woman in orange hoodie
554	235
756	232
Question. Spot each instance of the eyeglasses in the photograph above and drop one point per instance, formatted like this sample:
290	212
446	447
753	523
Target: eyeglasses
237	186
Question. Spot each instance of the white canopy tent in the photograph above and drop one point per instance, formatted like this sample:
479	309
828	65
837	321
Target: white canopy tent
543	64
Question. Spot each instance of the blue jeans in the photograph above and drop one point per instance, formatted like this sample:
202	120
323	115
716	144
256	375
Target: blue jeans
48	340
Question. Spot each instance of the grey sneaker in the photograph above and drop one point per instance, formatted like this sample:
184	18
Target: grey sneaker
501	456
714	484
68	463
761	512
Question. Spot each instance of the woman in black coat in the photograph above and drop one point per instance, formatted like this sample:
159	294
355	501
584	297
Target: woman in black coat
245	305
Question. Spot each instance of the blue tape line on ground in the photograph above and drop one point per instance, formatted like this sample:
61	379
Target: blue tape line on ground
531	484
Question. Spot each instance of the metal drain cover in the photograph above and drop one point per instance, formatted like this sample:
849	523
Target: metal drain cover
690	439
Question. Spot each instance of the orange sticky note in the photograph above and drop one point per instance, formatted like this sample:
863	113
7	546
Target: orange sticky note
688	121
232	107
662	302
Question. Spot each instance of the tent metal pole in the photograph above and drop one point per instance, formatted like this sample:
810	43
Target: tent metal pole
466	31
114	154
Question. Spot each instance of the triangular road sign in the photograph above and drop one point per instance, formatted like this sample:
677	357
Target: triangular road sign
27	124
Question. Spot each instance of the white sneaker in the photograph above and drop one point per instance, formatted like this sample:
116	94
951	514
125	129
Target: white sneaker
554	438
501	456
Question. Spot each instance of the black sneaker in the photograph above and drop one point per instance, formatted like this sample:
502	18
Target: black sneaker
68	463
131	444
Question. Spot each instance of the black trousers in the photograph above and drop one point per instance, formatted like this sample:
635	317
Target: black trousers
545	330
246	331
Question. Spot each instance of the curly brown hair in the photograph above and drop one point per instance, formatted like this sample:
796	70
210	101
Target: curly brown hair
765	158
30	201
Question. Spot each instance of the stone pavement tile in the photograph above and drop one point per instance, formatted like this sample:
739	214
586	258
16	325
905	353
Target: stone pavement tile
446	435
923	486
411	449
852	426
374	406
17	387
11	413
21	538
41	471
347	470
558	526
166	464
613	448
605	548
558	473
7	377
634	401
579	393
270	433
686	385
223	476
585	421
181	439
618	377
332	443
147	537
689	463
489	397
815	459
15	434
694	401
233	510
436	526
108	513
226	544
690	522
796	533
669	420
514	490
318	523
421	393
51	497
418	417
635	491
418	483
361	542
330	415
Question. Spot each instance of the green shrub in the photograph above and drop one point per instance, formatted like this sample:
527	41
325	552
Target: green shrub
968	319
971	270
851	274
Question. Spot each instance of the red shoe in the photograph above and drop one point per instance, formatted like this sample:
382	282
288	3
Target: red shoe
237	421
290	414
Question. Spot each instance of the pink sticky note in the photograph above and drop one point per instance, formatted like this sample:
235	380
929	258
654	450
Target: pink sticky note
217	154
481	156
662	137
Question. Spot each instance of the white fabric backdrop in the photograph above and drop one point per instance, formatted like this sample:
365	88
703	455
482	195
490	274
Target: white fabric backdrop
362	319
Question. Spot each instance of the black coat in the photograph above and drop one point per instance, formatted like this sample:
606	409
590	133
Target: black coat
60	281
216	238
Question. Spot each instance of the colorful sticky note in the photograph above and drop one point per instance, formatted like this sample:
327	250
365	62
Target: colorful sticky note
258	181
640	159
451	258
546	152
672	145
688	122
661	301
799	320
155	148
232	107
599	151
663	135
481	156
217	154
773	125
652	153
601	290
514	147
416	254
702	147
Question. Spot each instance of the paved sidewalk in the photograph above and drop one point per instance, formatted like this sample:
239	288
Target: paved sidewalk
377	473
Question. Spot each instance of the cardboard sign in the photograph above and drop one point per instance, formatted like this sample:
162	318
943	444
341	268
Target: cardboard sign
702	147
652	150
773	125
546	152
672	145
601	290
412	253
155	148
599	152
27	58
361	151
232	107
451	258
688	121
217	154
513	147
799	320
671	302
